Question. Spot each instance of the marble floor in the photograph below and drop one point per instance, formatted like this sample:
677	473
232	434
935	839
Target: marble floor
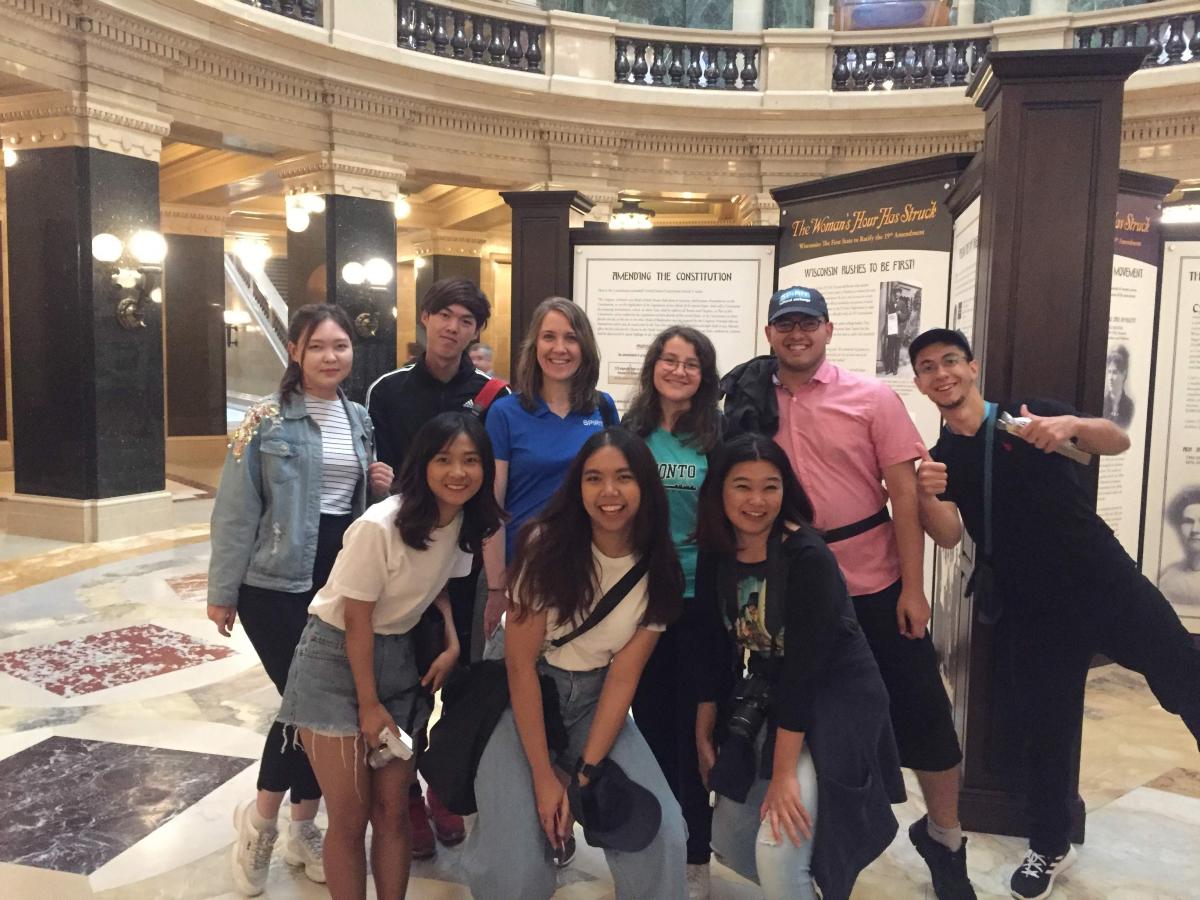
130	729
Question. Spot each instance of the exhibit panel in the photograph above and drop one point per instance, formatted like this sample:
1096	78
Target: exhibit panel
1171	548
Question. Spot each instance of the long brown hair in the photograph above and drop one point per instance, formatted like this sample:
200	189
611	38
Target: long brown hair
700	424
554	568
300	328
584	396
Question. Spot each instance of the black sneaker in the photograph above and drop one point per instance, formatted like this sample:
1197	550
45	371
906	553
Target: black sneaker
1035	876
947	869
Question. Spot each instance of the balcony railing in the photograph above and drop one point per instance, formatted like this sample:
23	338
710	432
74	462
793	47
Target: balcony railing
301	10
1169	40
907	65
686	65
469	36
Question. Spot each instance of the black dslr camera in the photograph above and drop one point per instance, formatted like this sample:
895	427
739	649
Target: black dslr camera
748	708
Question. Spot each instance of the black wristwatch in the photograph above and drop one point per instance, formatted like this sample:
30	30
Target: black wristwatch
587	770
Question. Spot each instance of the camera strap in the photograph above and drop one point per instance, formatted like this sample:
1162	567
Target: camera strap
989	450
608	602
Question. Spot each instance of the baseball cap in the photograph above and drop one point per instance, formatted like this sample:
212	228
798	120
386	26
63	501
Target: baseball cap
951	336
797	301
616	812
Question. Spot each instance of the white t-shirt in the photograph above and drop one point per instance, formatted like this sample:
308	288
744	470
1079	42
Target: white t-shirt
597	647
340	468
375	565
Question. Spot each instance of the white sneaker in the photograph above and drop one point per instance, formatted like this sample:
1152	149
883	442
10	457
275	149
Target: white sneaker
698	882
303	848
251	856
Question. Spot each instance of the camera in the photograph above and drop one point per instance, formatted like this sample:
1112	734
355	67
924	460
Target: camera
390	747
748	708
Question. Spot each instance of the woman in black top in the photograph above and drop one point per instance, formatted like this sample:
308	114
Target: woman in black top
806	795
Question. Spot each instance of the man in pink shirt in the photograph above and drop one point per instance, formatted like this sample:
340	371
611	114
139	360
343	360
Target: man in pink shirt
852	445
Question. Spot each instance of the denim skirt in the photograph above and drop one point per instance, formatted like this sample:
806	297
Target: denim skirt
320	693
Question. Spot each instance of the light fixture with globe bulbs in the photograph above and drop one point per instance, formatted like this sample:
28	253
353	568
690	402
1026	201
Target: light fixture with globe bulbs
374	275
631	216
299	208
134	264
10	157
252	253
402	207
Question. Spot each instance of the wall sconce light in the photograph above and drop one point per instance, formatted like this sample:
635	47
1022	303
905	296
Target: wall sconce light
631	216
252	253
299	209
148	250
402	207
376	273
234	319
10	157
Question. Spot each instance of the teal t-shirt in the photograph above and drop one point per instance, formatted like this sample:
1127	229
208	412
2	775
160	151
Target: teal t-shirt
682	469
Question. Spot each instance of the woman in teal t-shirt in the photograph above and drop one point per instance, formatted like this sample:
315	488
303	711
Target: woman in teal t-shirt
675	410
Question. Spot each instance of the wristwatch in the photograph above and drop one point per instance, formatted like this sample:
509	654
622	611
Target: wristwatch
587	770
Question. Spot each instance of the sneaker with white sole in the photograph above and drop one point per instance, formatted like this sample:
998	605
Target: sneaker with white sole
304	847
1034	878
699	882
251	855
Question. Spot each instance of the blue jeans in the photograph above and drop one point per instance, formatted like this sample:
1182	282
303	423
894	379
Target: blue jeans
745	844
507	856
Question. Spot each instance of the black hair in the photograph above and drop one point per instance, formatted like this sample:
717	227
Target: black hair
465	293
701	422
714	533
1119	355
1181	501
554	568
303	322
951	336
418	514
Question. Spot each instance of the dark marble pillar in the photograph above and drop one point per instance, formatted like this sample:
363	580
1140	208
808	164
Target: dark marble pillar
541	250
194	303
87	392
351	229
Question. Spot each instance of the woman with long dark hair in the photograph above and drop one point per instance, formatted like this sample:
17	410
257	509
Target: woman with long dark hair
537	431
807	767
608	517
354	683
675	411
298	472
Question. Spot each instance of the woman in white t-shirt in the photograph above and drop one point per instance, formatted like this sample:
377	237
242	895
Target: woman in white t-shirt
354	675
609	513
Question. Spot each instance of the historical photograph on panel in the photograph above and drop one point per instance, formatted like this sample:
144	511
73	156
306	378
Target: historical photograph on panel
1179	578
1118	405
899	323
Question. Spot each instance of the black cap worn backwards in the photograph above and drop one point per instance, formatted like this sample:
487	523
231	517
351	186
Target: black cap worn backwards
950	336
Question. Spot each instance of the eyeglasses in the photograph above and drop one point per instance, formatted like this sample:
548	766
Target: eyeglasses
807	324
949	361
689	365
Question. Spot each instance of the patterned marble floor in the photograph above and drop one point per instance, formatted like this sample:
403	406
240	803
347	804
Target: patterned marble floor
131	729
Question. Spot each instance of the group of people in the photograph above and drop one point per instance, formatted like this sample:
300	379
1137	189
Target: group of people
746	579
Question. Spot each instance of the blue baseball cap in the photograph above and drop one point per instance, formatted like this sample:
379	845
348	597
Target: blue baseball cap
797	301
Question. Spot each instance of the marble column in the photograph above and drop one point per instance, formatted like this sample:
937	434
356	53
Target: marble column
350	220
88	436
193	303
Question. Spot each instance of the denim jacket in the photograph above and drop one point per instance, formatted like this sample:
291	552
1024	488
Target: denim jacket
268	506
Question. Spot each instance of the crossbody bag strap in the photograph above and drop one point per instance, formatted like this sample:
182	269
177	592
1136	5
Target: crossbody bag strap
989	441
608	602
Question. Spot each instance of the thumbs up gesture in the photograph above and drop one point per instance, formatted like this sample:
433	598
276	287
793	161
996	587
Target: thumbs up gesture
931	475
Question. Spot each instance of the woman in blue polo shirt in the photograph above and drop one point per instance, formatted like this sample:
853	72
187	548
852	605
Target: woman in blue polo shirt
675	410
537	431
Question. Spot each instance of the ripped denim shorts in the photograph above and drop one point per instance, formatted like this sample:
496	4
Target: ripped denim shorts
320	692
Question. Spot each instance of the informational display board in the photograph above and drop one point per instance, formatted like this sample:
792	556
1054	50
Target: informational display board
1171	547
632	292
964	258
1137	248
882	260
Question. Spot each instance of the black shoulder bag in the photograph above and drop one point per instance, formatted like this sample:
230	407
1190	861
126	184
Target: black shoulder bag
475	696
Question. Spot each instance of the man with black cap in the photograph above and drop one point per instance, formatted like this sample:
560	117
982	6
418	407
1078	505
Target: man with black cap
1057	579
852	445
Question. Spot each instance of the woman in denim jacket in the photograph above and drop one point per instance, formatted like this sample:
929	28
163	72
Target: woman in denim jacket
298	472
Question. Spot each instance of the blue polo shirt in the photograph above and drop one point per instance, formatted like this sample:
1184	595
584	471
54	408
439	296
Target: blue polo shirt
538	447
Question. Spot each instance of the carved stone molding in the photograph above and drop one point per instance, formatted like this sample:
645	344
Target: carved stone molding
329	172
757	209
199	221
77	119
446	242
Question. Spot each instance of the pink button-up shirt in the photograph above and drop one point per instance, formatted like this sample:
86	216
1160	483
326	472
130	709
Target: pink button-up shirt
840	431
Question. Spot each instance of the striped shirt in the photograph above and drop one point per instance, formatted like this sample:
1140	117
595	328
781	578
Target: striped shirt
340	468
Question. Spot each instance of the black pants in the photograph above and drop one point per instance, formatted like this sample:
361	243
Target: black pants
273	621
1054	640
664	708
